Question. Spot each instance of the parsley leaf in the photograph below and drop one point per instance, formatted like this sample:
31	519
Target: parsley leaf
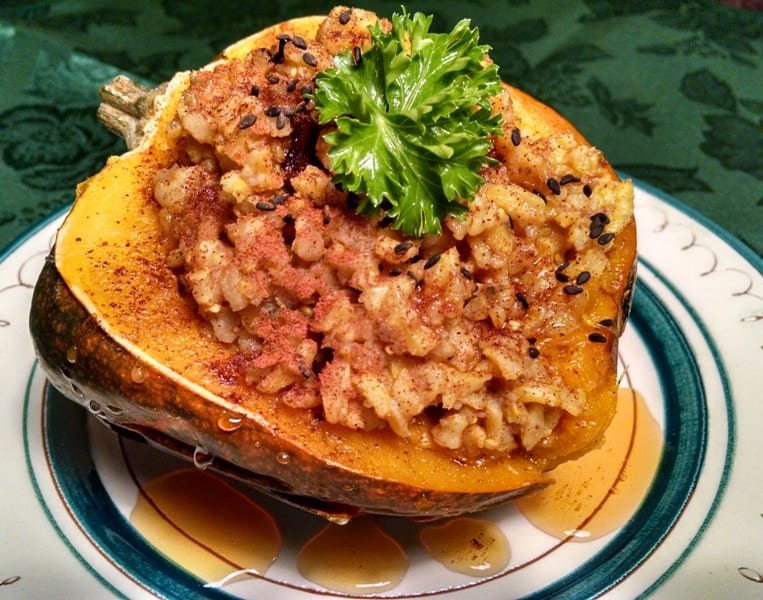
413	121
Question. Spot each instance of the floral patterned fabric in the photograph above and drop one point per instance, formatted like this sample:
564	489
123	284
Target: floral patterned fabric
672	91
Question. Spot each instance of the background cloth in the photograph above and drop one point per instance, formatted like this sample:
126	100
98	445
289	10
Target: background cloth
672	92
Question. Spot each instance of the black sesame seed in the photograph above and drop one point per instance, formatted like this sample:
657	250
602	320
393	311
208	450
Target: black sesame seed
402	248
395	272
598	338
605	238
606	322
278	57
431	261
281	121
345	16
292	85
554	186
247	121
306	90
278	199
466	273
272	111
266	206
289	111
299	42
583	277
600	217
255	91
560	275
415	259
540	194
572	290
595	230
587	190
273	78
569	178
533	352
522	299
310	59
357	55
516	137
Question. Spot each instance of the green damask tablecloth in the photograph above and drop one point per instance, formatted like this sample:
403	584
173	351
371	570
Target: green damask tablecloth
671	91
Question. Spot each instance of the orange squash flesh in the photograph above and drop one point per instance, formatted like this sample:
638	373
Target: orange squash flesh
111	327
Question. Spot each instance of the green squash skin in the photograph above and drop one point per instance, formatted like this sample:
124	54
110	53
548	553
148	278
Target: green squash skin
90	368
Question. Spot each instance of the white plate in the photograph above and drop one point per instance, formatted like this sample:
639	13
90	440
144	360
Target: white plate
693	348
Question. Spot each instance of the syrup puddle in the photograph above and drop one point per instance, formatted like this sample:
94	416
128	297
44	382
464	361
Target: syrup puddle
357	558
471	546
205	525
599	492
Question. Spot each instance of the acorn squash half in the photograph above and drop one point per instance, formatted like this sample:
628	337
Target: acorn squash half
112	331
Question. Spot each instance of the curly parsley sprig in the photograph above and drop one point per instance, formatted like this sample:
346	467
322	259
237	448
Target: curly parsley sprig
413	121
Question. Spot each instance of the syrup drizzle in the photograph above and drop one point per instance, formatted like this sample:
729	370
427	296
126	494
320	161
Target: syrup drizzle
220	534
599	492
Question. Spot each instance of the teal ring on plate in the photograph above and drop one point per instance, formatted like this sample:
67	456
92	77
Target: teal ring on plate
68	450
683	454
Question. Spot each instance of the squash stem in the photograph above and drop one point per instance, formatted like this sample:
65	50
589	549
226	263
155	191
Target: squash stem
125	107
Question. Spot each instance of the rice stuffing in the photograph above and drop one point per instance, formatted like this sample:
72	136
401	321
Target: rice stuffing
442	339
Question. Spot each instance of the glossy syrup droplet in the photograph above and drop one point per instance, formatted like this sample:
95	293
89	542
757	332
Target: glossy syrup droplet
138	374
283	458
72	354
201	458
338	519
77	392
467	545
229	422
424	503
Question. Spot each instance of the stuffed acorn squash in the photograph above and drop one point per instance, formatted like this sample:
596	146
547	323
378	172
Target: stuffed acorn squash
363	309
